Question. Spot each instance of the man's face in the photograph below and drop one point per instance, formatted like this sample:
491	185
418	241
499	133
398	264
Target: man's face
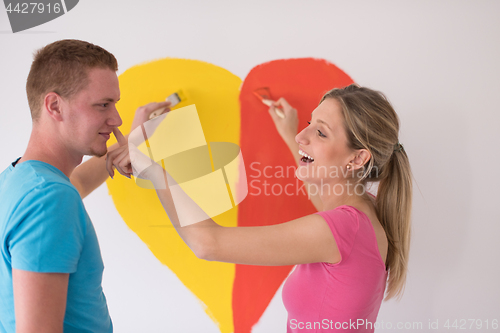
90	115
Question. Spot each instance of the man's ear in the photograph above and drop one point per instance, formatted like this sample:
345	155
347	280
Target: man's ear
362	157
52	104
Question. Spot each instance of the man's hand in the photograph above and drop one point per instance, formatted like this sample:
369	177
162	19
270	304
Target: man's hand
128	160
119	158
91	174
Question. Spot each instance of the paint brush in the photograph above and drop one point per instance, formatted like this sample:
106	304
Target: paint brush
265	97
174	99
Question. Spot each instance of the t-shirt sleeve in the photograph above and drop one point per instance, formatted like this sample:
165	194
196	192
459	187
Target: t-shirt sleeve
50	230
344	224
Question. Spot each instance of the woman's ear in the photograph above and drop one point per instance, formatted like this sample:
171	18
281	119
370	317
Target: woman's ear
52	105
361	158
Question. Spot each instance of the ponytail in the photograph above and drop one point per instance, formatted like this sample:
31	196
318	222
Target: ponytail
372	124
393	204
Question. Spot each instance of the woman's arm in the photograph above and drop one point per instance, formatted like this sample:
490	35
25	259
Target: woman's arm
288	128
304	240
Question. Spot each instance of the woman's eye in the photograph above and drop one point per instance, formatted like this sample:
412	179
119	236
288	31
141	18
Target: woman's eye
319	132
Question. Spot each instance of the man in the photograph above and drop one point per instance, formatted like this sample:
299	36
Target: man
51	266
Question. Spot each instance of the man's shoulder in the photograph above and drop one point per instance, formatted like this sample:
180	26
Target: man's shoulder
31	174
32	180
31	195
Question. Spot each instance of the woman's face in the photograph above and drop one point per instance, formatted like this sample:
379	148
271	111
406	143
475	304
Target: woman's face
325	142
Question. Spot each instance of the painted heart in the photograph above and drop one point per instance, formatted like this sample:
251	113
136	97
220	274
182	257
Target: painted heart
235	296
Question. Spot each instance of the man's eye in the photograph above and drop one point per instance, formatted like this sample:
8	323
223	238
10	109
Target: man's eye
309	122
105	105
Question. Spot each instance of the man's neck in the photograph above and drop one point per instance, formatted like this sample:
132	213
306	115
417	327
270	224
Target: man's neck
45	149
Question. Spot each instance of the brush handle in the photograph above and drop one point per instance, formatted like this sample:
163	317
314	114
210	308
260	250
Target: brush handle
278	111
174	100
156	113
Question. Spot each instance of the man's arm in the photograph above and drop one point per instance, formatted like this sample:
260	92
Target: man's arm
39	301
90	174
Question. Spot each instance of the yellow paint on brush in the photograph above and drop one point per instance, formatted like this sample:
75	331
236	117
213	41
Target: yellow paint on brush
215	92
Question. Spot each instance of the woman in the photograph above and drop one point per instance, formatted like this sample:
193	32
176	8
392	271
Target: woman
346	253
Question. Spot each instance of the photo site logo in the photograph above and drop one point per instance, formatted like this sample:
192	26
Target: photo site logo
269	180
26	14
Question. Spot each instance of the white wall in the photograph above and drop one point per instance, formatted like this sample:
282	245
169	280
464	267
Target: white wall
436	60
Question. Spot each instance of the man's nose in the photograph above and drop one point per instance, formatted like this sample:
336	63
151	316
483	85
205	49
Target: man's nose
115	120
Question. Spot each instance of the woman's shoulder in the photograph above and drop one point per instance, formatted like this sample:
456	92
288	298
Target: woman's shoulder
371	228
350	218
342	212
341	219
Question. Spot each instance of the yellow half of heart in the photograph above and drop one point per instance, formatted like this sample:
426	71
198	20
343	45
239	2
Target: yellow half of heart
215	92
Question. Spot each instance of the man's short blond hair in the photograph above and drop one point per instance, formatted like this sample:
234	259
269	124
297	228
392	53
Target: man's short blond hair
62	67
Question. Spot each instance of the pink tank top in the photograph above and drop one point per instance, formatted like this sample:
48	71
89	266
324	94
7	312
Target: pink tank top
345	296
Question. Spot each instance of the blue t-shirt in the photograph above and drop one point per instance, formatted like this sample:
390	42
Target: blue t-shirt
45	228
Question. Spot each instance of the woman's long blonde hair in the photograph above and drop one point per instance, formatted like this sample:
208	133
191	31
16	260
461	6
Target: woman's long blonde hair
372	124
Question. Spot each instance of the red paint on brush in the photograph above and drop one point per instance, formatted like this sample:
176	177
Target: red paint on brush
302	82
262	93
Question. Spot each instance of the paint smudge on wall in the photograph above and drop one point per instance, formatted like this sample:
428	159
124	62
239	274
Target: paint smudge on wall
234	296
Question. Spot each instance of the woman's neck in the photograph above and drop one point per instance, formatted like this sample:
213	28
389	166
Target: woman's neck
351	195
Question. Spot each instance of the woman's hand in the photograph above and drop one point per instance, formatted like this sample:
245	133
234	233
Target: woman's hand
143	112
288	126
